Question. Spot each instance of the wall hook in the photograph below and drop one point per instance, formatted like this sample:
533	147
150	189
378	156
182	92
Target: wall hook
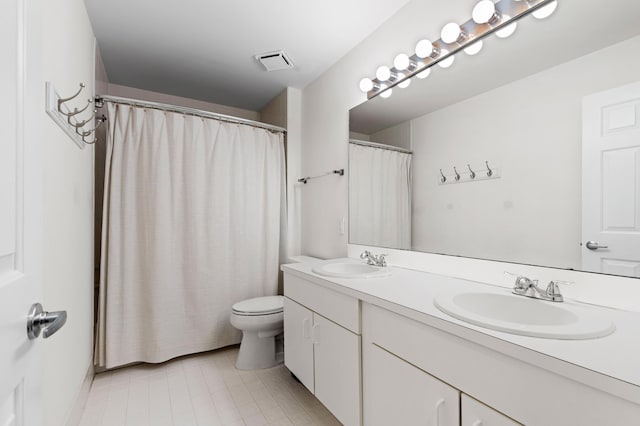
101	120
443	179
63	100
473	174
81	124
75	111
457	174
489	171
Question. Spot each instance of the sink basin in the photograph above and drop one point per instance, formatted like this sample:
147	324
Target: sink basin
525	316
346	268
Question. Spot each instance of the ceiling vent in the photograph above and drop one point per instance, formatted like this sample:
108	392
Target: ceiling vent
273	61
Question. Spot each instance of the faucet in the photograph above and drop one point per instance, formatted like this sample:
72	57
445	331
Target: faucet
524	286
374	260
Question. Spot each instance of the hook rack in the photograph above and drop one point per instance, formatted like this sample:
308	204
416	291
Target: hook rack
475	173
339	172
68	119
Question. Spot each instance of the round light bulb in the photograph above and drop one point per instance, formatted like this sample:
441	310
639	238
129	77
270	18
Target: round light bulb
383	73
474	48
483	12
366	84
401	62
450	32
545	11
404	83
508	30
386	93
424	74
424	48
447	62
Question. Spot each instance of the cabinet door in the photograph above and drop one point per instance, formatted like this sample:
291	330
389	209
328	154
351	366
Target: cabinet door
298	346
397	393
476	414
337	369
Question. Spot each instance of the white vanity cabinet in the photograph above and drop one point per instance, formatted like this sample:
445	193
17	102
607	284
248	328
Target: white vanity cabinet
475	413
396	392
322	345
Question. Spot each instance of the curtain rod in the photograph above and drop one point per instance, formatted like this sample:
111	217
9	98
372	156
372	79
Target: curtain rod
189	111
379	145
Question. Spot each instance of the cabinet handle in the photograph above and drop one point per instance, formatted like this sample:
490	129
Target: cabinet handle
316	334
305	329
477	423
437	415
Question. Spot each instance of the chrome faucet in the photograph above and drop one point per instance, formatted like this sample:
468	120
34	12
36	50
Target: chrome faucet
374	260
524	286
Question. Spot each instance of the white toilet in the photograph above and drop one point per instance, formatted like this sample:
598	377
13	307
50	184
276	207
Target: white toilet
260	320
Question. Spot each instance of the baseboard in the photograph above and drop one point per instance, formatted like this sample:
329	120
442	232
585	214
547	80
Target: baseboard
81	400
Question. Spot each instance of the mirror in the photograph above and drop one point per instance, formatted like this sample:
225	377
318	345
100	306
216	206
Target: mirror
552	113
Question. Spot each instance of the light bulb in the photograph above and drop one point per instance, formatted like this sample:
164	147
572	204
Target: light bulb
386	93
451	33
424	74
545	11
425	48
508	30
447	62
383	73
401	62
484	12
404	83
474	48
366	84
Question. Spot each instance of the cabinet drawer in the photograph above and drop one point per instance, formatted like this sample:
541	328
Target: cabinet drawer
341	309
475	413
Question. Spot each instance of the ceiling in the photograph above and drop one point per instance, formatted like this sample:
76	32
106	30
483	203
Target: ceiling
576	28
205	49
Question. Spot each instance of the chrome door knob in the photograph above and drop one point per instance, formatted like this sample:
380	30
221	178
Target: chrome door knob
46	322
593	245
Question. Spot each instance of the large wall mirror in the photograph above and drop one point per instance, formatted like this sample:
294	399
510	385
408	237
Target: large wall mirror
553	111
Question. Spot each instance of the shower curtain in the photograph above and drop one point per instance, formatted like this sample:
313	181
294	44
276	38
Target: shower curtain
193	222
379	197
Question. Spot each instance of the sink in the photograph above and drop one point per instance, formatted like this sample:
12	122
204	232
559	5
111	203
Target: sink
349	268
525	316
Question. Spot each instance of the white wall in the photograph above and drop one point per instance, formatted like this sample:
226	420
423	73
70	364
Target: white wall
532	130
68	211
398	135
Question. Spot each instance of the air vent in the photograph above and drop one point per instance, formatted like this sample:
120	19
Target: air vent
273	61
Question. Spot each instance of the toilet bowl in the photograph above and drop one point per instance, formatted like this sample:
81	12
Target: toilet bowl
260	320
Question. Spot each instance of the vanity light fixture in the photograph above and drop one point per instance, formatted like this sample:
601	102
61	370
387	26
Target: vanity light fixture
546	11
487	18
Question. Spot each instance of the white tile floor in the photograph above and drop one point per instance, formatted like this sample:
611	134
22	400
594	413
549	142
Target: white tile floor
203	389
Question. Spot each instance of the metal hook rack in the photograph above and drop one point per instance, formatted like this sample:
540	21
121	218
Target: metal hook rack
68	118
339	172
475	173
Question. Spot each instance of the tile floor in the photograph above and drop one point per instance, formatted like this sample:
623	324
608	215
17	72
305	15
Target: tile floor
203	389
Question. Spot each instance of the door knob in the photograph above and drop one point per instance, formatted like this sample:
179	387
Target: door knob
592	245
46	322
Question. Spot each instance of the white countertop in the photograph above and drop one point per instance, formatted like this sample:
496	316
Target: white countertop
611	363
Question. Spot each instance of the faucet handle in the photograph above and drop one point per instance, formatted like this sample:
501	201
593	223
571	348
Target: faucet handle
522	282
365	254
553	290
381	259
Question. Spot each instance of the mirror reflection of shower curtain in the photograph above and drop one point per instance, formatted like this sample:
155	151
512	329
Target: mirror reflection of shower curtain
193	222
379	197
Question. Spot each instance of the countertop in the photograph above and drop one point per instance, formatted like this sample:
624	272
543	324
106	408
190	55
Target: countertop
610	363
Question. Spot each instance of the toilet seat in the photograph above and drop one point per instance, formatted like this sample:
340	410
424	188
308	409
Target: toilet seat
259	306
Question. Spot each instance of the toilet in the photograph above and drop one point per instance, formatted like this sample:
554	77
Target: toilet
261	321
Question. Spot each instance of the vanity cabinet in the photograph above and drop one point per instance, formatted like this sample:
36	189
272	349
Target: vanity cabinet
396	392
475	413
322	345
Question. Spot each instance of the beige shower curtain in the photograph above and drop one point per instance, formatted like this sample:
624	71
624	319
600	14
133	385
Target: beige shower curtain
193	222
379	197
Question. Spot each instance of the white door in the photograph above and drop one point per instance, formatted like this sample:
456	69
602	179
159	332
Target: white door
397	393
298	346
336	354
21	109
611	181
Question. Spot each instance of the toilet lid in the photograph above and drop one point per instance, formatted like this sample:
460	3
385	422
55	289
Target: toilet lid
260	306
